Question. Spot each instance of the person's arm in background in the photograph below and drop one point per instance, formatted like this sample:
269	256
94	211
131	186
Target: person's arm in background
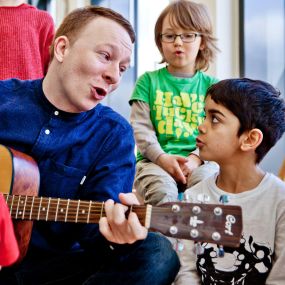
46	34
193	162
146	139
277	273
148	144
9	251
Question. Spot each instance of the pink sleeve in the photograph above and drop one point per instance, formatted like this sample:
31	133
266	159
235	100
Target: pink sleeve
9	251
46	38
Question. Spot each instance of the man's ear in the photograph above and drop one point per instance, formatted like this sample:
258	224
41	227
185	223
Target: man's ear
61	45
251	139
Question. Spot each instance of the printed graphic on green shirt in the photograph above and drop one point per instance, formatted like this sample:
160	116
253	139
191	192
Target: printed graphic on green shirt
178	115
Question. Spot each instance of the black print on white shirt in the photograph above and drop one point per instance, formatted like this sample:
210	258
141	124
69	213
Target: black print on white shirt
247	265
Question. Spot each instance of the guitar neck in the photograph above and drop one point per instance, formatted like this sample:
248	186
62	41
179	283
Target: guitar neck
64	210
200	222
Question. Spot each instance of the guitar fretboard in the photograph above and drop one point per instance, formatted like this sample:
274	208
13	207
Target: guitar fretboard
63	210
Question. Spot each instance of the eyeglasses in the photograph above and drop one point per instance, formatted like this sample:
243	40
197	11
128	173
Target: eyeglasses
185	37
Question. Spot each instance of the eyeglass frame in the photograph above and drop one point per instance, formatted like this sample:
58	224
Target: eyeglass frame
181	37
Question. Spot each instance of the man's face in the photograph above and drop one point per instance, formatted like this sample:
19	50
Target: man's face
92	66
218	140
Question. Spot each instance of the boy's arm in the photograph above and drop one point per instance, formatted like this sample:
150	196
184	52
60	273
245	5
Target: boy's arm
193	162
148	144
145	136
188	271
277	274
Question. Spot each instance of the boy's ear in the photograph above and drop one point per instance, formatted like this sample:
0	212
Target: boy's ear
251	139
61	45
202	46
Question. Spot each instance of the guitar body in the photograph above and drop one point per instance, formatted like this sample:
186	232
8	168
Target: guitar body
19	175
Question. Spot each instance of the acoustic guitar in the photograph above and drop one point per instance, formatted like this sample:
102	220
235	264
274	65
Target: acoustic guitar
19	183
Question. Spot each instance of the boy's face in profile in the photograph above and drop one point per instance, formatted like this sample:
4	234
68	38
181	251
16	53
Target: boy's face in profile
218	140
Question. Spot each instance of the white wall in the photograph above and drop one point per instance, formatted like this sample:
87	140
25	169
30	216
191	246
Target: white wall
148	55
224	14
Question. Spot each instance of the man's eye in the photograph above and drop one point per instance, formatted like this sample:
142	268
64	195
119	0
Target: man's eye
105	55
123	69
215	120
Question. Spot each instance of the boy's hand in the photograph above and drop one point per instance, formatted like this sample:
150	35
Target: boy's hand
173	164
193	162
115	227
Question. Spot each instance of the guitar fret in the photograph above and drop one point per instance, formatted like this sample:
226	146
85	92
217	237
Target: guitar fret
39	211
23	215
32	207
17	210
48	208
61	211
66	213
88	216
20	206
78	205
56	211
11	207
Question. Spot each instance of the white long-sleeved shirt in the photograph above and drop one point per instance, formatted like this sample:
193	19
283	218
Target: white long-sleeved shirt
260	258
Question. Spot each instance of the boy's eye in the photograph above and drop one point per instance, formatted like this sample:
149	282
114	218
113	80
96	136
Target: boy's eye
215	120
169	36
189	36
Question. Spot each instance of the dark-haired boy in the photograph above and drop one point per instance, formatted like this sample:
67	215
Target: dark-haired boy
244	119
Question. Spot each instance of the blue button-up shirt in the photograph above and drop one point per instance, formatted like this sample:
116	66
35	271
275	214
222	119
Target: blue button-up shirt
96	147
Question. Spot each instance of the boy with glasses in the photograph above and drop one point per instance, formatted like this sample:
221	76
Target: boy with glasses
168	104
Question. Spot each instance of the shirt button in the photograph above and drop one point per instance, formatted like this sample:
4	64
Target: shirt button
47	132
56	113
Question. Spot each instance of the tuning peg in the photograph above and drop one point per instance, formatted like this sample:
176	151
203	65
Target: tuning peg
224	199
178	245
221	251
199	249
181	196
203	198
184	197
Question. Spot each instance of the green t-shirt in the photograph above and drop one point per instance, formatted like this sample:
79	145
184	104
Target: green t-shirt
176	107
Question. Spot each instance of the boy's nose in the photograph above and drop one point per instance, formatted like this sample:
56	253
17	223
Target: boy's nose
201	128
178	40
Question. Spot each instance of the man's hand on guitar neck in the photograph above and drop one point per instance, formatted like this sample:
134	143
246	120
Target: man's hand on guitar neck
115	227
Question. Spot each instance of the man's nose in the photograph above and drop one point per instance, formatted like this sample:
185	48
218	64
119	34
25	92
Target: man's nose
112	75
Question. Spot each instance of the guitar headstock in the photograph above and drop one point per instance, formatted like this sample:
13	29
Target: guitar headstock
213	223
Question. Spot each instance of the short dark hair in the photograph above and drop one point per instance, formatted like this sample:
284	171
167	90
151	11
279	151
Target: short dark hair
79	18
190	16
256	104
